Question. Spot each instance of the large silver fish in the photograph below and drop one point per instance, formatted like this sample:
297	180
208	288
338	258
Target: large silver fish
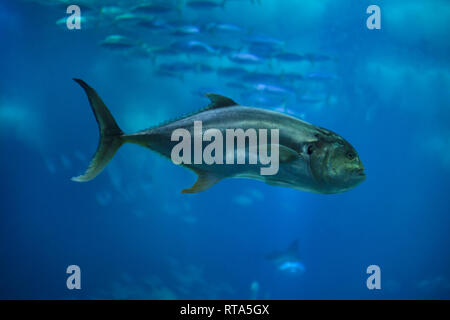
311	158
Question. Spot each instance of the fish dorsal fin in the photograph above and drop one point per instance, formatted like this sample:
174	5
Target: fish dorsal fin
218	101
204	181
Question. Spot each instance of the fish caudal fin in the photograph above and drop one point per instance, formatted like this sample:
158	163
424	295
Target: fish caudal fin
205	181
110	135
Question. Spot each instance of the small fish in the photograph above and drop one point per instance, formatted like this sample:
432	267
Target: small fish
183	67
186	67
311	158
85	22
111	11
292	76
131	18
224	49
155	24
223	28
289	57
194	47
264	40
262	100
265	51
273	89
313	57
118	42
288	260
186	30
245	58
153	8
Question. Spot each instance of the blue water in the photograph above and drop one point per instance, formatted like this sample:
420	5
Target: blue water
131	231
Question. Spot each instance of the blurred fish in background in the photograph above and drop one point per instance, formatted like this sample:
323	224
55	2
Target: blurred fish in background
288	260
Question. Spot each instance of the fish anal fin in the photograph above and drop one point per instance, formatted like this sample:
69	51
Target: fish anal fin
204	181
218	101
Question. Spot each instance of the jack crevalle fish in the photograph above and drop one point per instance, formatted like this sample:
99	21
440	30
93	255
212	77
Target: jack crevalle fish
311	158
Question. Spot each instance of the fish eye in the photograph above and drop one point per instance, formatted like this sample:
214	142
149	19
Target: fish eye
350	155
310	149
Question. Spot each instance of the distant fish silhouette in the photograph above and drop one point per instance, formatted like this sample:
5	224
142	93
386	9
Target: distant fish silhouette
288	260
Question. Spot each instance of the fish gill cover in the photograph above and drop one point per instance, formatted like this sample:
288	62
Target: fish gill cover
135	236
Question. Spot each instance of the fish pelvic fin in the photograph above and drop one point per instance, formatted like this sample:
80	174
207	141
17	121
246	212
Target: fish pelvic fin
110	135
204	181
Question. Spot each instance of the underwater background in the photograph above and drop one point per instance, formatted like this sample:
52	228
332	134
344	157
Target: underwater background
132	232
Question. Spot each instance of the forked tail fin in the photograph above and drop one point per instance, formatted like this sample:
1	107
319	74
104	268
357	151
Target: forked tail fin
110	135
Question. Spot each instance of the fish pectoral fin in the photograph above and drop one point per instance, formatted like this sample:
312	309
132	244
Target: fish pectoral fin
287	154
204	181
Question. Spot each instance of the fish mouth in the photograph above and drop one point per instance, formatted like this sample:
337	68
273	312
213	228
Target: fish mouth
359	172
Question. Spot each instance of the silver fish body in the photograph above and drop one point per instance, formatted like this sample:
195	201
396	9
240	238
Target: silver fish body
311	158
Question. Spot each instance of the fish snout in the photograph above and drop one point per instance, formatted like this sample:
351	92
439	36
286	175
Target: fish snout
358	172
